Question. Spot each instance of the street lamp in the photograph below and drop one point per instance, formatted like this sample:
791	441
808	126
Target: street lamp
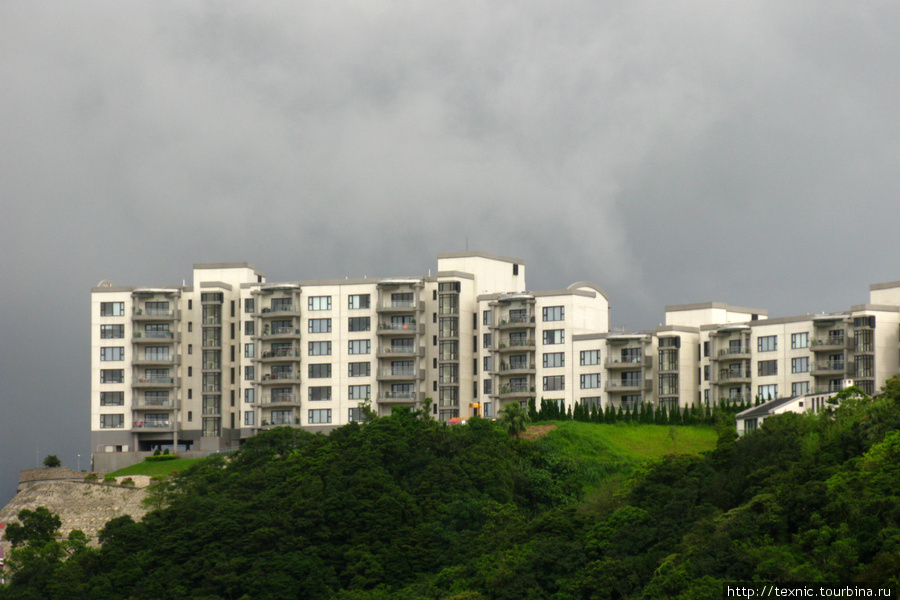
79	463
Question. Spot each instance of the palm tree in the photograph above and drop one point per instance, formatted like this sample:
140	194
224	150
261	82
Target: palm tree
514	418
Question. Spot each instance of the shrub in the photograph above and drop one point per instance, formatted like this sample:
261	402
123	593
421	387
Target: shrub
127	481
160	457
91	477
109	479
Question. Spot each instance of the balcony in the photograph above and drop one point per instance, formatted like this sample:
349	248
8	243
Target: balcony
830	344
517	368
155	337
828	367
280	356
154	314
400	351
400	306
516	390
628	385
155	404
280	311
526	322
280	333
153	382
160	361
276	401
280	421
629	363
152	426
388	397
400	374
729	377
516	345
279	378
666	367
389	329
733	353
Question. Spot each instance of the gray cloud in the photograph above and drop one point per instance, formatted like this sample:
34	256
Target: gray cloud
670	152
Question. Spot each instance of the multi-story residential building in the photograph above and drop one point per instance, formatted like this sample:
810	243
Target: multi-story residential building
205	366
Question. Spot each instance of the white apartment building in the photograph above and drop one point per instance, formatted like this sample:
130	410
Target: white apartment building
204	366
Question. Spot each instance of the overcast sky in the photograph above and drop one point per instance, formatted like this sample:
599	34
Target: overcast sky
670	152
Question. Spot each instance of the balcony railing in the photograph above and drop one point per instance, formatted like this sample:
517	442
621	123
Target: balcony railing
287	352
397	350
516	388
731	375
516	366
734	350
279	398
152	425
274	376
156	402
398	395
279	308
824	365
212	366
397	304
153	312
397	372
280	331
411	327
516	343
212	388
164	380
154	334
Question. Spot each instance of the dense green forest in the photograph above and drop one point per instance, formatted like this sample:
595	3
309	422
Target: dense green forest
404	507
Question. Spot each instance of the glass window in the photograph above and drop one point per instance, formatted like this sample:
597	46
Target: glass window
590	381
554	359
798	388
112	309
360	369
249	396
360	392
486	340
800	340
554	336
767	343
112	375
554	313
320	325
249	328
320	371
320	348
249	418
487	318
249	305
358	301
554	383
319	416
320	303
112	398
590	357
359	346
800	365
767	367
768	392
112	353
112	421
320	393
112	332
248	351
360	324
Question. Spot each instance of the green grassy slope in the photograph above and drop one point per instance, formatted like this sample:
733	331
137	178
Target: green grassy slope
156	468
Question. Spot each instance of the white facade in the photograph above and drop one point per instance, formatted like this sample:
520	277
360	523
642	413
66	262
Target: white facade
202	367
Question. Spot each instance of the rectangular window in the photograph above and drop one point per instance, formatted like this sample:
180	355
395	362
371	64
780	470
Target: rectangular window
668	384
248	373
358	301
554	313
320	348
767	343
359	346
249	305
360	324
554	383
800	340
486	340
360	392
798	388
249	396
320	393
668	360
767	392
112	398
554	359
112	309
487	387
448	327
766	368
800	365
320	325
488	364
249	418
112	375
320	371
319	416
158	353
112	353
554	336
590	381
320	303
248	351
590	357
448	373
487	318
112	421
249	328
112	332
360	369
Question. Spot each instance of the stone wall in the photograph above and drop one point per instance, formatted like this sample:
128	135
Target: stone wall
84	506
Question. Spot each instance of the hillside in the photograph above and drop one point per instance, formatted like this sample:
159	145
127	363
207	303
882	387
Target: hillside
405	508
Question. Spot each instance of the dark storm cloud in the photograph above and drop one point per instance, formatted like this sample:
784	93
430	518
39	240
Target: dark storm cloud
670	152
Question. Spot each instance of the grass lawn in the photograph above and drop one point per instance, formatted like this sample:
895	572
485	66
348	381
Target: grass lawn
604	451
156	468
